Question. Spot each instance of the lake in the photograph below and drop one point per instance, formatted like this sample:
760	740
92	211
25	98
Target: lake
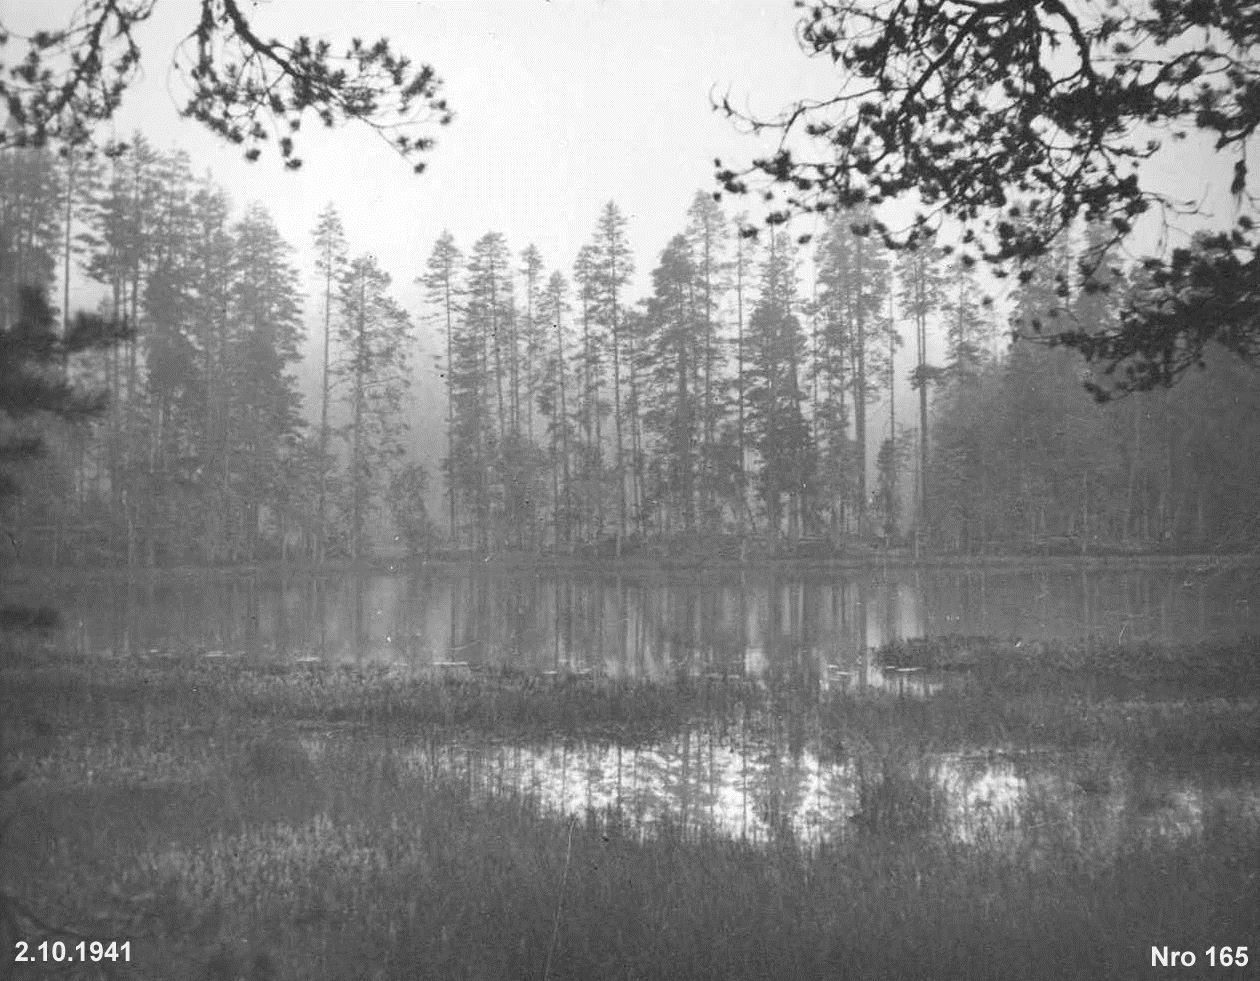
750	624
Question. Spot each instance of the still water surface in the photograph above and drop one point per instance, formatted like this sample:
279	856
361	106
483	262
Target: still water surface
742	778
759	788
749	624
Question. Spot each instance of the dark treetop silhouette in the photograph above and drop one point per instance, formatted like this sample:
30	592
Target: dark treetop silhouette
246	89
1018	119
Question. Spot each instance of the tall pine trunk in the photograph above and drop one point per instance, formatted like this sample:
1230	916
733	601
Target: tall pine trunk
321	541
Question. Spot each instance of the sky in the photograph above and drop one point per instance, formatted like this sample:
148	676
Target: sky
560	106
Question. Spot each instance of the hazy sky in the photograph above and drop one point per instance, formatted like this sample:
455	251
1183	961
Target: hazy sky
560	107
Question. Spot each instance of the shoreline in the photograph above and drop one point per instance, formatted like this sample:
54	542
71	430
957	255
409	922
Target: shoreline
638	568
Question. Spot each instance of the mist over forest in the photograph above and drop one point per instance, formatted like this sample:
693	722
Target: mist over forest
276	400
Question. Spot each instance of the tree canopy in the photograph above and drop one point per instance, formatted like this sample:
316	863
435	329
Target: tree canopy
1021	118
247	90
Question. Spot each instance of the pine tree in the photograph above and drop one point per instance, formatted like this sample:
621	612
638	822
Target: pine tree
963	468
613	265
853	281
676	346
745	256
373	334
921	292
969	328
443	288
706	236
489	313
213	331
532	333
266	407
125	221
507	488
556	400
472	435
832	345
330	263
591	405
634	330
776	349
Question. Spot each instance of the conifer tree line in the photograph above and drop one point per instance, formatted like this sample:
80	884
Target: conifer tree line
734	405
205	452
756	400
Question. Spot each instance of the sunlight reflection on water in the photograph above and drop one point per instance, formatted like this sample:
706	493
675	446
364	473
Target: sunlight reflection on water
743	789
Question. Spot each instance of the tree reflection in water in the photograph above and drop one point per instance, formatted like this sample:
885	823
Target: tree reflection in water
752	624
737	785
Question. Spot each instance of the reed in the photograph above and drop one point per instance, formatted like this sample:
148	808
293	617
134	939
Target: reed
241	822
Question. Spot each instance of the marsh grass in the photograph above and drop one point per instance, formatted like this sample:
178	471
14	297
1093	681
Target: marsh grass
1097	666
275	824
898	798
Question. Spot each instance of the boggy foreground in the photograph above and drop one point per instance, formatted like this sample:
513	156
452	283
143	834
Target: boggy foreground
1010	810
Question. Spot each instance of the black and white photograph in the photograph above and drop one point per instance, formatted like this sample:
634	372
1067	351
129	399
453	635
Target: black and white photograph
565	490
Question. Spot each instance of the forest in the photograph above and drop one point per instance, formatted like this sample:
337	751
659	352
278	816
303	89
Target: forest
752	404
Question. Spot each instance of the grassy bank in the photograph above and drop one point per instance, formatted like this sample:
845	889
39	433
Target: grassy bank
282	823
